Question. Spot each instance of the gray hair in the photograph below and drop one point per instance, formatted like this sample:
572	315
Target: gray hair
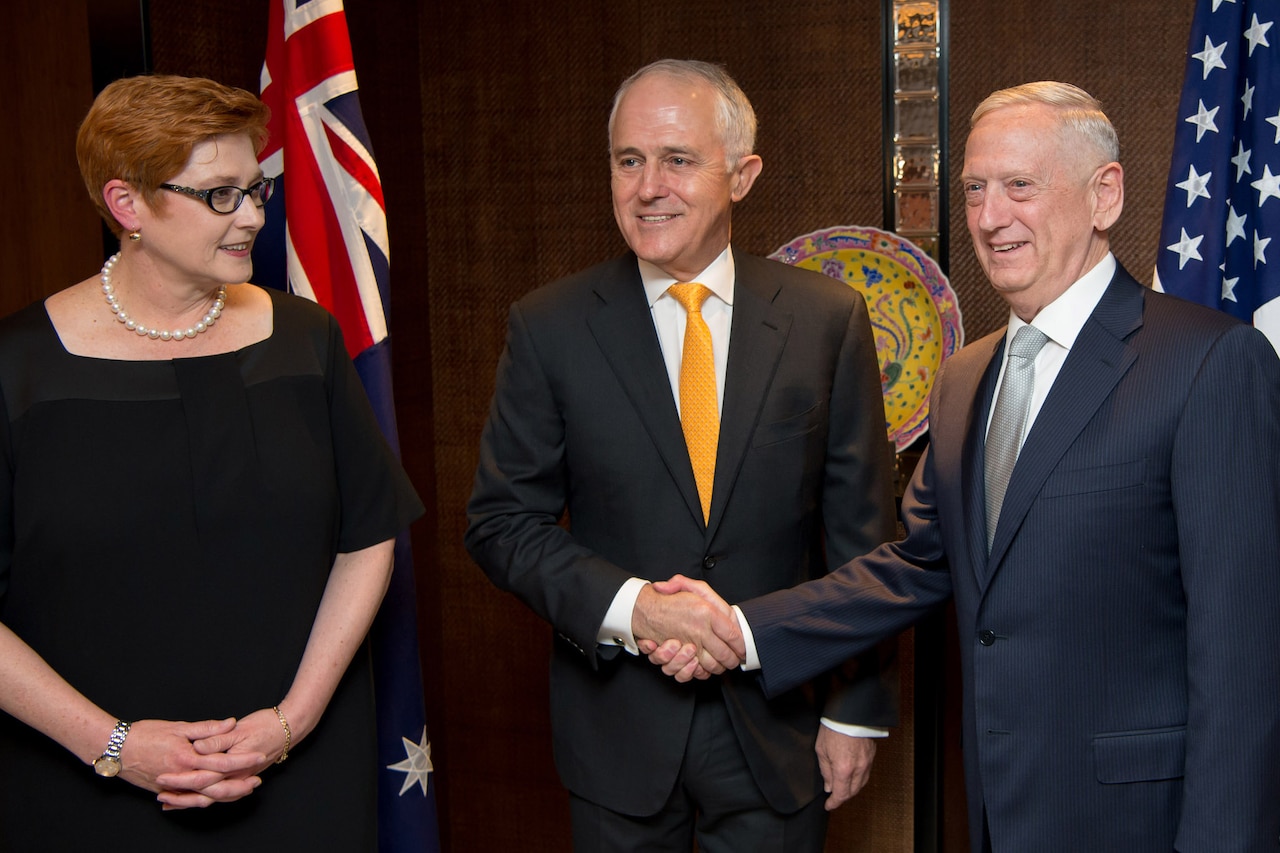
1080	114
735	118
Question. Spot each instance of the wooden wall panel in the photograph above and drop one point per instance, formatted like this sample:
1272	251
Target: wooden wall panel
49	229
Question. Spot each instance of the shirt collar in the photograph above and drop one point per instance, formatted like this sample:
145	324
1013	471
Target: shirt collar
1063	318
718	277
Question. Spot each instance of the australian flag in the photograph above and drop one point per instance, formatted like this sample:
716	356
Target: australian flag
326	239
1222	205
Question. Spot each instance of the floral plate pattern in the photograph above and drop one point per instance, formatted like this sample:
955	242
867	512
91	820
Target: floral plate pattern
914	313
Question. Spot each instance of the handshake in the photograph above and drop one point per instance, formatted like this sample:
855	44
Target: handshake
688	630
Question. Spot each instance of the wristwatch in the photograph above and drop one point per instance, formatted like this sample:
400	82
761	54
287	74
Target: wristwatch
108	764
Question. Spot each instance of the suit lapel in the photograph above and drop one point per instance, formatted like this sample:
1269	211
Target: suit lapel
759	334
1097	361
622	326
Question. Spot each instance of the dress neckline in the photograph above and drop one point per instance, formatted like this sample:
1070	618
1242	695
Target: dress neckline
62	347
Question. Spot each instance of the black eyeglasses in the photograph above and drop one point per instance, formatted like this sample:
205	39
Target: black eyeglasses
227	199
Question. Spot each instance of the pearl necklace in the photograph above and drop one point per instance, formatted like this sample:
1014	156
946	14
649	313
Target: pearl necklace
133	325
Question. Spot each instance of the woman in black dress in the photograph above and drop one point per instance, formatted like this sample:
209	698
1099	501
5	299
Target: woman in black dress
197	513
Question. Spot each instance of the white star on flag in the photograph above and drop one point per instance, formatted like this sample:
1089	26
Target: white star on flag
1188	249
1228	288
416	766
1241	162
1259	249
1211	56
1196	185
1268	186
1247	98
1235	225
1257	34
1275	120
1203	120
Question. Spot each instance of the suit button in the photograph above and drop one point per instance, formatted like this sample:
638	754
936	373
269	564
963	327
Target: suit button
986	637
708	562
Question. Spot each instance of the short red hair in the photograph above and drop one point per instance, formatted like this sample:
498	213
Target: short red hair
141	130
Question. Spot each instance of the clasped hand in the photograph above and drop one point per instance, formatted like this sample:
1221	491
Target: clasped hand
687	629
193	765
702	638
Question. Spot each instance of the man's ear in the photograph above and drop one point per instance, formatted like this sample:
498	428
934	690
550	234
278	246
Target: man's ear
745	176
1108	195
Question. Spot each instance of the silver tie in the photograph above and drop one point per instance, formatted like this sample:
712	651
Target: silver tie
1004	436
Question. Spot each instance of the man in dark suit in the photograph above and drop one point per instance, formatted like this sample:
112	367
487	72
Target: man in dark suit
1119	607
587	418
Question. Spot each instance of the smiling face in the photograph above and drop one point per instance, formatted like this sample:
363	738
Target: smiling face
1038	203
194	243
673	189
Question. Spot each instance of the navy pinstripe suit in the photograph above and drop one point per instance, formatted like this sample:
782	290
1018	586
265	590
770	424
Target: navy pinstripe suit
1120	645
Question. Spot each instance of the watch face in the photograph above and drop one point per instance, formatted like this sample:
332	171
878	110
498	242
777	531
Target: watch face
105	766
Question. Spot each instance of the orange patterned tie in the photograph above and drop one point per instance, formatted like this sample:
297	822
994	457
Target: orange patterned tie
699	412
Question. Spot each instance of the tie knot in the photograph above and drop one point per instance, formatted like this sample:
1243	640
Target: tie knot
1027	342
690	294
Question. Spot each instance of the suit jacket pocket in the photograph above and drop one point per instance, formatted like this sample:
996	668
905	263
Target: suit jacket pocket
1140	756
790	427
1095	478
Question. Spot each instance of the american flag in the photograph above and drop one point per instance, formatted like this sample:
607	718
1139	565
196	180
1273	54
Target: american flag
326	239
1222	205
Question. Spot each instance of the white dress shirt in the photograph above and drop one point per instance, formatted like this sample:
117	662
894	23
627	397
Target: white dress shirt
669	320
1061	321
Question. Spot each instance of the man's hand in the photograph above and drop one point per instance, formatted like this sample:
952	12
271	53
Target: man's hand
678	660
845	763
692	626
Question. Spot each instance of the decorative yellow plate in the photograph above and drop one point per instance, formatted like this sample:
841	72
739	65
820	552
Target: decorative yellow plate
914	312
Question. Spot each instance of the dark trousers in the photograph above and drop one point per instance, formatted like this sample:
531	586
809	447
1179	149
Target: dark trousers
715	801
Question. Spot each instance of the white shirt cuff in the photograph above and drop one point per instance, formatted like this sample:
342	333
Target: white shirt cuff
615	630
753	660
854	731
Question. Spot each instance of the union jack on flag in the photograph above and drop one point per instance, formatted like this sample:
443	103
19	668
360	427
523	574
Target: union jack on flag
326	239
1222	203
